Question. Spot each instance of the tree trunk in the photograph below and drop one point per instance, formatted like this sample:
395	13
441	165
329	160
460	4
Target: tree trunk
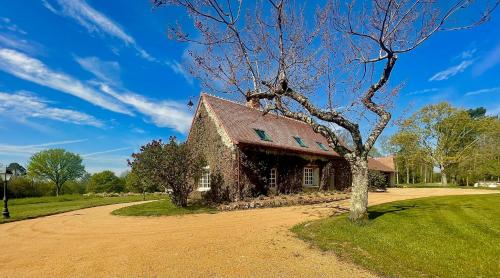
407	175
444	178
425	174
57	190
397	173
359	195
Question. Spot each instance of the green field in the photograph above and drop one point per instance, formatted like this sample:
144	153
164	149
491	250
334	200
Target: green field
161	208
27	208
453	236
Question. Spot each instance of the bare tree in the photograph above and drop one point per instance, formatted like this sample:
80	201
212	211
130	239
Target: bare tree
328	68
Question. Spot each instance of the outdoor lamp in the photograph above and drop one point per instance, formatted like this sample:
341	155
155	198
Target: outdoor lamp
190	104
5	175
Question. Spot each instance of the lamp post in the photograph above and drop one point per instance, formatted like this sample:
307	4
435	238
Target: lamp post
5	175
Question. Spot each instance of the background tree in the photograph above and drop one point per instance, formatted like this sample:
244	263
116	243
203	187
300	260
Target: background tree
329	69
105	181
134	184
448	135
405	145
56	165
17	169
171	166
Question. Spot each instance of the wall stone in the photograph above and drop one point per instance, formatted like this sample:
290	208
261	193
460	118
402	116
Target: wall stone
205	139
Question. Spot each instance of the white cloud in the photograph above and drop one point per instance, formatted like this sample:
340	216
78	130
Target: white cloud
23	106
162	113
418	92
20	44
6	23
179	69
31	149
489	60
482	91
108	71
107	151
95	22
451	71
27	68
467	54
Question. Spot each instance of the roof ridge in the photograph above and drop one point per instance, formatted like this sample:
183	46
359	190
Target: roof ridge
237	103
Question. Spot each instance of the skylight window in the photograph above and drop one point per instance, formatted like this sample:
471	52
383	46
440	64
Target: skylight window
322	146
262	135
299	141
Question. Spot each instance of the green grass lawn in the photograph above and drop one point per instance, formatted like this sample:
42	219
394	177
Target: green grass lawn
161	208
452	236
438	185
27	208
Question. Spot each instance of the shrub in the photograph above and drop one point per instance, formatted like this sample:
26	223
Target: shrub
21	187
171	166
376	180
105	181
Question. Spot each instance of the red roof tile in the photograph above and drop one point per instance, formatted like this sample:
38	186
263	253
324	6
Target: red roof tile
384	164
239	121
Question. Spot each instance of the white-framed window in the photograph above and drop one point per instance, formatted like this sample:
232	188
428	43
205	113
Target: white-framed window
273	177
204	182
308	176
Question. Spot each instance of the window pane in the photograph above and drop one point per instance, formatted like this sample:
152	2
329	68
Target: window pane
204	182
262	135
273	177
300	142
308	176
323	147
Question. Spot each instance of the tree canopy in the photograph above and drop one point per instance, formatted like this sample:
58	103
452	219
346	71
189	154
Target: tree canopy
457	141
171	166
57	166
105	181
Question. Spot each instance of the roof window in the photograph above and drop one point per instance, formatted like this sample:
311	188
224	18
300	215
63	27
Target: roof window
322	146
262	135
299	141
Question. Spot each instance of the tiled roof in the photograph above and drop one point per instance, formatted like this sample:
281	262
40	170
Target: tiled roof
239	122
384	164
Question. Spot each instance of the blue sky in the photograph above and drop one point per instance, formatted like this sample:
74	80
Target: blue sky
100	78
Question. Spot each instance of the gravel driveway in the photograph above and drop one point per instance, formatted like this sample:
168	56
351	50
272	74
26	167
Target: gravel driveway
253	243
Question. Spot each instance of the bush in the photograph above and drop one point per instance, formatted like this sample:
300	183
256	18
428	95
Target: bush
172	167
376	180
21	187
105	181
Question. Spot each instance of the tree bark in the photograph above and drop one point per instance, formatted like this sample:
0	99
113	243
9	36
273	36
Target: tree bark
359	195
444	178
397	173
407	175
425	174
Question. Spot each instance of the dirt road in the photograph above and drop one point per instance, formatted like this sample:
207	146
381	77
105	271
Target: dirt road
254	243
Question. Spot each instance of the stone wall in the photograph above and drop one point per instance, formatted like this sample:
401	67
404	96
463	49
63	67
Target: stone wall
208	140
256	164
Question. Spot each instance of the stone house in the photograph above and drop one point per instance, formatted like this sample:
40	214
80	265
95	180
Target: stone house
248	153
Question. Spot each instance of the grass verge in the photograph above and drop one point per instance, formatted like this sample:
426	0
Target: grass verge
452	236
27	208
438	185
164	207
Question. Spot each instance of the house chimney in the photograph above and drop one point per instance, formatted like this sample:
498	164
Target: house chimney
252	102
